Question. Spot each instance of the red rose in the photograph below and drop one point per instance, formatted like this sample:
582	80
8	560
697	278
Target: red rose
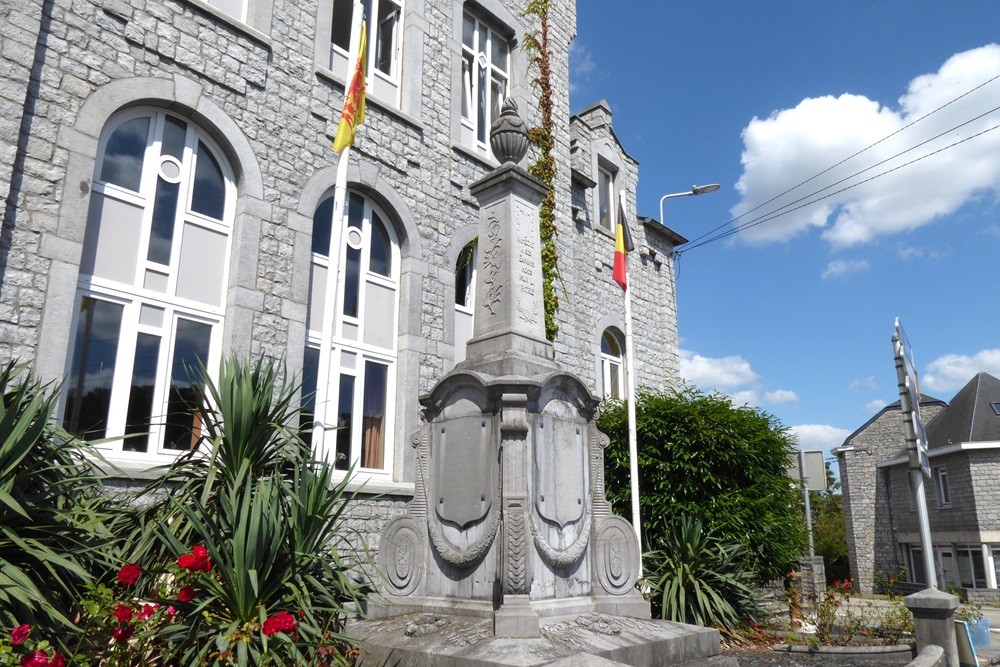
280	622
123	613
35	659
19	634
57	661
123	633
206	565
129	574
189	562
147	611
185	594
199	552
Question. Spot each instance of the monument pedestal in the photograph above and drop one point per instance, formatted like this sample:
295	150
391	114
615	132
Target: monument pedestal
509	549
432	640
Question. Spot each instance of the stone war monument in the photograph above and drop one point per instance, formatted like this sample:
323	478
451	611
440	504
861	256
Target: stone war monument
509	553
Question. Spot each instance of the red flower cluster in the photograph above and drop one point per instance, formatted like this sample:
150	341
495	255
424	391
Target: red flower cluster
123	633
280	622
19	634
129	574
185	594
42	659
123	613
196	561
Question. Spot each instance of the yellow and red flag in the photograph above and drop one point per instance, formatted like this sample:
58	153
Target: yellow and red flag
623	246
354	101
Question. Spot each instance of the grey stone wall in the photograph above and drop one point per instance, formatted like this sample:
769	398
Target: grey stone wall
67	66
871	520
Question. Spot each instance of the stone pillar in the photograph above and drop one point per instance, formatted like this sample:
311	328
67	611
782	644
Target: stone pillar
934	622
813	580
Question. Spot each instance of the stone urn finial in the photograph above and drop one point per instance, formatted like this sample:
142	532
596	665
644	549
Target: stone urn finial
508	135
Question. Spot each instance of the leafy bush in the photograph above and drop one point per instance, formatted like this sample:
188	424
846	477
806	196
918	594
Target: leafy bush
699	578
701	456
53	512
270	519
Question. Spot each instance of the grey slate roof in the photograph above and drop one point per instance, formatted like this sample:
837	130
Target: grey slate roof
969	417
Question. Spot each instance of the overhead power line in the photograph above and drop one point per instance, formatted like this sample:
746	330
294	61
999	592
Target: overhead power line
771	216
694	243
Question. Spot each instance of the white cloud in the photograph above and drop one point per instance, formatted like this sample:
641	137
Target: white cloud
746	397
907	253
707	373
952	371
871	407
868	383
781	396
843	267
819	436
581	65
793	144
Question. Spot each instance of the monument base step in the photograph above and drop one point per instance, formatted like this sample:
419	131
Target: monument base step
587	640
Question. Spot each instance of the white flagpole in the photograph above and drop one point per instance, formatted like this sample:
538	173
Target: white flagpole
324	418
633	449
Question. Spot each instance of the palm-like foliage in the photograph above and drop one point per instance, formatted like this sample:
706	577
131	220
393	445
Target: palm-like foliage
52	511
270	517
698	578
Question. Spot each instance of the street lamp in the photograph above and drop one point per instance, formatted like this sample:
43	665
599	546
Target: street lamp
695	190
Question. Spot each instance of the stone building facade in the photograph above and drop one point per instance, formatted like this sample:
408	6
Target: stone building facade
169	201
962	495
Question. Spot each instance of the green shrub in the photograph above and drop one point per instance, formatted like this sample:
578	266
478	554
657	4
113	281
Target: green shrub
699	578
701	456
271	519
53	512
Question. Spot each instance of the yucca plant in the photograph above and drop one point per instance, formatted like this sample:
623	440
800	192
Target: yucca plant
53	511
699	578
271	520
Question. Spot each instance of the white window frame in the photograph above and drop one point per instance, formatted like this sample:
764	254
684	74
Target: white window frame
605	190
385	86
942	489
466	309
132	297
362	351
482	59
240	16
608	361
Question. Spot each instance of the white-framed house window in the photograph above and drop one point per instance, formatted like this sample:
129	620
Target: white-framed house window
465	297
384	21
485	79
364	345
941	487
605	198
612	365
971	569
150	296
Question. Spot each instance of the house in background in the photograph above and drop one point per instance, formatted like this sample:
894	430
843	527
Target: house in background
963	494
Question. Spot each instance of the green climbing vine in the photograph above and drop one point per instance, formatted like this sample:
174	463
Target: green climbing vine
544	167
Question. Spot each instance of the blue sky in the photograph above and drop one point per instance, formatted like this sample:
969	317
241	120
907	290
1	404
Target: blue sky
794	315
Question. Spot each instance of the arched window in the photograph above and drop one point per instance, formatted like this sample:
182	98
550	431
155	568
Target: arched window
150	297
363	352
612	365
465	297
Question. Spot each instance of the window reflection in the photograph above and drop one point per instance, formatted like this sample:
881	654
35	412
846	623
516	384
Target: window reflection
183	426
164	215
209	195
140	402
123	156
95	350
345	414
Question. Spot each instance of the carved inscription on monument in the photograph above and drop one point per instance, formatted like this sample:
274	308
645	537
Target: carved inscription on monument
492	262
527	276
